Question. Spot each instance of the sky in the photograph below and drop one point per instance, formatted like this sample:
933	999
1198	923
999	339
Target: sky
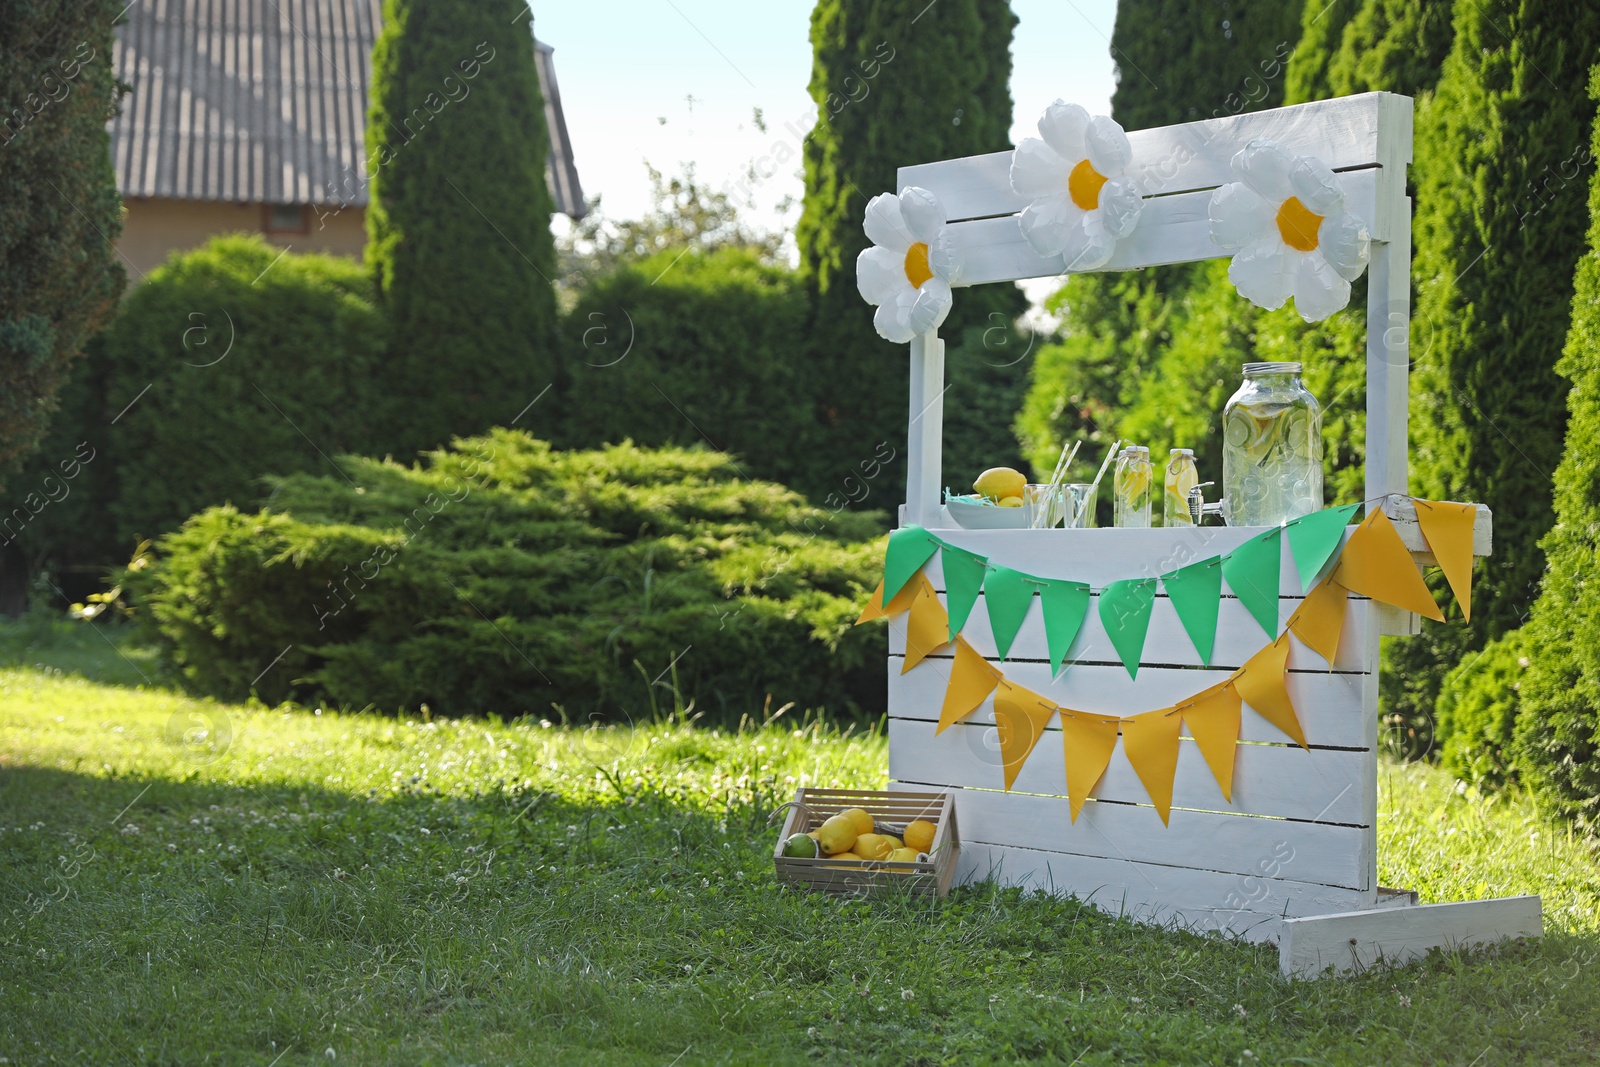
677	81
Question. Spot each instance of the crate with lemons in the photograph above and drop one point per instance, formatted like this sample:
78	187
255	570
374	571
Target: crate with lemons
853	841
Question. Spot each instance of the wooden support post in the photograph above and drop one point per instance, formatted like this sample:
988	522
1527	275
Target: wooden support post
925	431
1389	330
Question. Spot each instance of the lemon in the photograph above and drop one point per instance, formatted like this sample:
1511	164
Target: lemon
801	846
858	816
903	855
997	483
895	841
836	835
873	846
1011	501
1132	481
919	835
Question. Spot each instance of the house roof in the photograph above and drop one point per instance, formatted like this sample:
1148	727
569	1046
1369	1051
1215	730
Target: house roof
265	101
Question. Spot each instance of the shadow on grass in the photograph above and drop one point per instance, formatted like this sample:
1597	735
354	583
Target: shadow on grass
168	920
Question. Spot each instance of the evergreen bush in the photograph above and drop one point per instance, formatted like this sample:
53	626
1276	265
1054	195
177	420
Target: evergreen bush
231	361
1502	153
1475	729
504	576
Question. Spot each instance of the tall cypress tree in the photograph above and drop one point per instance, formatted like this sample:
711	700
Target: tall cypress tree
898	82
1499	225
459	224
59	208
1558	727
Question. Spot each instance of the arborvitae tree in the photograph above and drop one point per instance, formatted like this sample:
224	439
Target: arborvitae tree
59	209
1360	46
459	225
1176	62
1502	151
898	82
1558	727
1183	61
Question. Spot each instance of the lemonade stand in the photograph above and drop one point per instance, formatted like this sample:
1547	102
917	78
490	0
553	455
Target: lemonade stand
1176	724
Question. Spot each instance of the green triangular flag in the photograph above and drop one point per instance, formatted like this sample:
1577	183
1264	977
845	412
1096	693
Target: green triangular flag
1252	571
1008	594
1065	604
909	548
1313	538
963	577
1196	595
1125	613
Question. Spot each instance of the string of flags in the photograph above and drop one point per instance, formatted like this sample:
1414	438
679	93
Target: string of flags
1374	562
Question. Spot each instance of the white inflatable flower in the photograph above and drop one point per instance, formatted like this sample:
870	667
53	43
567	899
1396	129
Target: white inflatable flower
1082	198
908	270
1294	237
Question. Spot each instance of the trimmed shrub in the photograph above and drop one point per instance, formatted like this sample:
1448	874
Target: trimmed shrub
1477	713
694	348
504	576
227	364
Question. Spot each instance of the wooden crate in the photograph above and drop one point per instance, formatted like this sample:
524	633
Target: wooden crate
890	811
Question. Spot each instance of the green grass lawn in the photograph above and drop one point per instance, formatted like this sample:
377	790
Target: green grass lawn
187	882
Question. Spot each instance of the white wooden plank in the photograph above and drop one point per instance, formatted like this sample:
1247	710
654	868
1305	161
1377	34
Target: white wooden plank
924	451
1304	851
1330	706
1103	556
1249	906
1343	133
1172	229
1239	637
1322	785
1356	940
1403	513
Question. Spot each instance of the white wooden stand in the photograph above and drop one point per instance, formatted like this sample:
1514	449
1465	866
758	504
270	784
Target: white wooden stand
1293	858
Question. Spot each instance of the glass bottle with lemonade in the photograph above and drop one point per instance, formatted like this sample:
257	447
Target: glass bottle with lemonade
1131	485
1182	477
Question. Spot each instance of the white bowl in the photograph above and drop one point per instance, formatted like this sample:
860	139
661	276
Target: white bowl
971	516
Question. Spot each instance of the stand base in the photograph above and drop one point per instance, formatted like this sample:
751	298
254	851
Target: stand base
1354	940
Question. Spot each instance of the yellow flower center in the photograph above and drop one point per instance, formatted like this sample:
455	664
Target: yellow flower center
1084	184
1298	224
917	269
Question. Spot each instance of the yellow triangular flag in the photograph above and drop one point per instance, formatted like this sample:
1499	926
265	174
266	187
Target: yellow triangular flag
1376	563
901	602
1447	528
1319	620
972	678
1150	741
1261	682
1087	741
1213	720
927	627
1021	716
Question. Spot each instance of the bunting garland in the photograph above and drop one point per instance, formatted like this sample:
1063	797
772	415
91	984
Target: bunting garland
1373	562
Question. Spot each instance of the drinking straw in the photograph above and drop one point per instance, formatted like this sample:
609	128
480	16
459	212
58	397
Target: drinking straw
1111	455
1061	461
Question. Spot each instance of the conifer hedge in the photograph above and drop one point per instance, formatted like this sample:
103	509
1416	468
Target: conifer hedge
1503	152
